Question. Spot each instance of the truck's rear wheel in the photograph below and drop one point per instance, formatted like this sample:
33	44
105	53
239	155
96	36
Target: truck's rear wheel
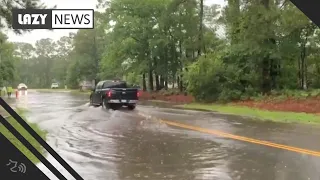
131	106
105	104
91	103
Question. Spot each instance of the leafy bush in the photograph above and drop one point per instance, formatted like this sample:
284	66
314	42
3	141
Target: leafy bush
73	75
210	79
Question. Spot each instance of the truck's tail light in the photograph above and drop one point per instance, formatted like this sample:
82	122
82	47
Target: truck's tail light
109	93
138	94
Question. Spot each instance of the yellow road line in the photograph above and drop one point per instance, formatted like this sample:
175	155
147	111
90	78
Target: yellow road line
240	138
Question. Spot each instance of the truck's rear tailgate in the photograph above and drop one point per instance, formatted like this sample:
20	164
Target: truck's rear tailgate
124	94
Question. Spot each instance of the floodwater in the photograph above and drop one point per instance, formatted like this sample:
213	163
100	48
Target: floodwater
118	145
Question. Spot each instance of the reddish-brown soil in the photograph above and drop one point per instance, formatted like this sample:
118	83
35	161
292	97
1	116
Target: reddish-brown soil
309	105
177	98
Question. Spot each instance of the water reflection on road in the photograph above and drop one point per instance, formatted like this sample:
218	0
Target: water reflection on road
103	144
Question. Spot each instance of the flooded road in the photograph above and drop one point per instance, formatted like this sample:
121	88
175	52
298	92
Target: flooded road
116	145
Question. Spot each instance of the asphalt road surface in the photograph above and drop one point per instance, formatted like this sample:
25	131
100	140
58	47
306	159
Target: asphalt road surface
162	143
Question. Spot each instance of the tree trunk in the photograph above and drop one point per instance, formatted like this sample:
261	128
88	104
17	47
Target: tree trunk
178	81
303	68
144	83
200	36
157	82
274	71
299	74
302	74
265	75
166	83
161	82
156	75
233	16
151	88
266	61
305	85
181	88
95	56
303	58
181	85
166	72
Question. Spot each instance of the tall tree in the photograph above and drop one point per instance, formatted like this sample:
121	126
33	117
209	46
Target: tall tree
7	6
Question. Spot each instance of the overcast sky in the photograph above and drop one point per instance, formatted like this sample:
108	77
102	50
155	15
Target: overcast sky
67	4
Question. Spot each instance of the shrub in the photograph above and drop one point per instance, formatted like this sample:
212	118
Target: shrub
209	79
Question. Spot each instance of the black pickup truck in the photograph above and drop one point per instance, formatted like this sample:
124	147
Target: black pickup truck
113	95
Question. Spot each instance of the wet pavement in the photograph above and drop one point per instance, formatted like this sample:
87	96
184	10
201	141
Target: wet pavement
102	144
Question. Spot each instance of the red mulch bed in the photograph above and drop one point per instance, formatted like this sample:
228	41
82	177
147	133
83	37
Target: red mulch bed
309	105
180	98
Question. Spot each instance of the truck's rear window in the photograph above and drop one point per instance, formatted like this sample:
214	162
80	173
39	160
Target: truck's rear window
111	84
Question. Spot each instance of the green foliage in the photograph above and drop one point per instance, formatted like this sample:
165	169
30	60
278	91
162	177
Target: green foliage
267	48
210	79
73	75
7	62
268	51
132	78
69	60
6	14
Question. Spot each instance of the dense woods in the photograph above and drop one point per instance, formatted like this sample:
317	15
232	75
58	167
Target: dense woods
243	49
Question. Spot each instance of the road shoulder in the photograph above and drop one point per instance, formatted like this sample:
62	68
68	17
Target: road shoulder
286	109
24	133
255	113
4	113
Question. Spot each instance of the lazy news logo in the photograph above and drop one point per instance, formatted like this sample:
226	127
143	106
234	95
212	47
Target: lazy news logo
53	18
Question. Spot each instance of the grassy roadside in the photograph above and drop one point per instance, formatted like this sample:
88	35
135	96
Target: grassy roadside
86	92
256	113
25	134
3	112
73	91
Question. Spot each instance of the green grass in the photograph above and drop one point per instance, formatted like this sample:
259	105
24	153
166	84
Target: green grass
3	112
256	113
88	92
26	135
52	90
73	91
